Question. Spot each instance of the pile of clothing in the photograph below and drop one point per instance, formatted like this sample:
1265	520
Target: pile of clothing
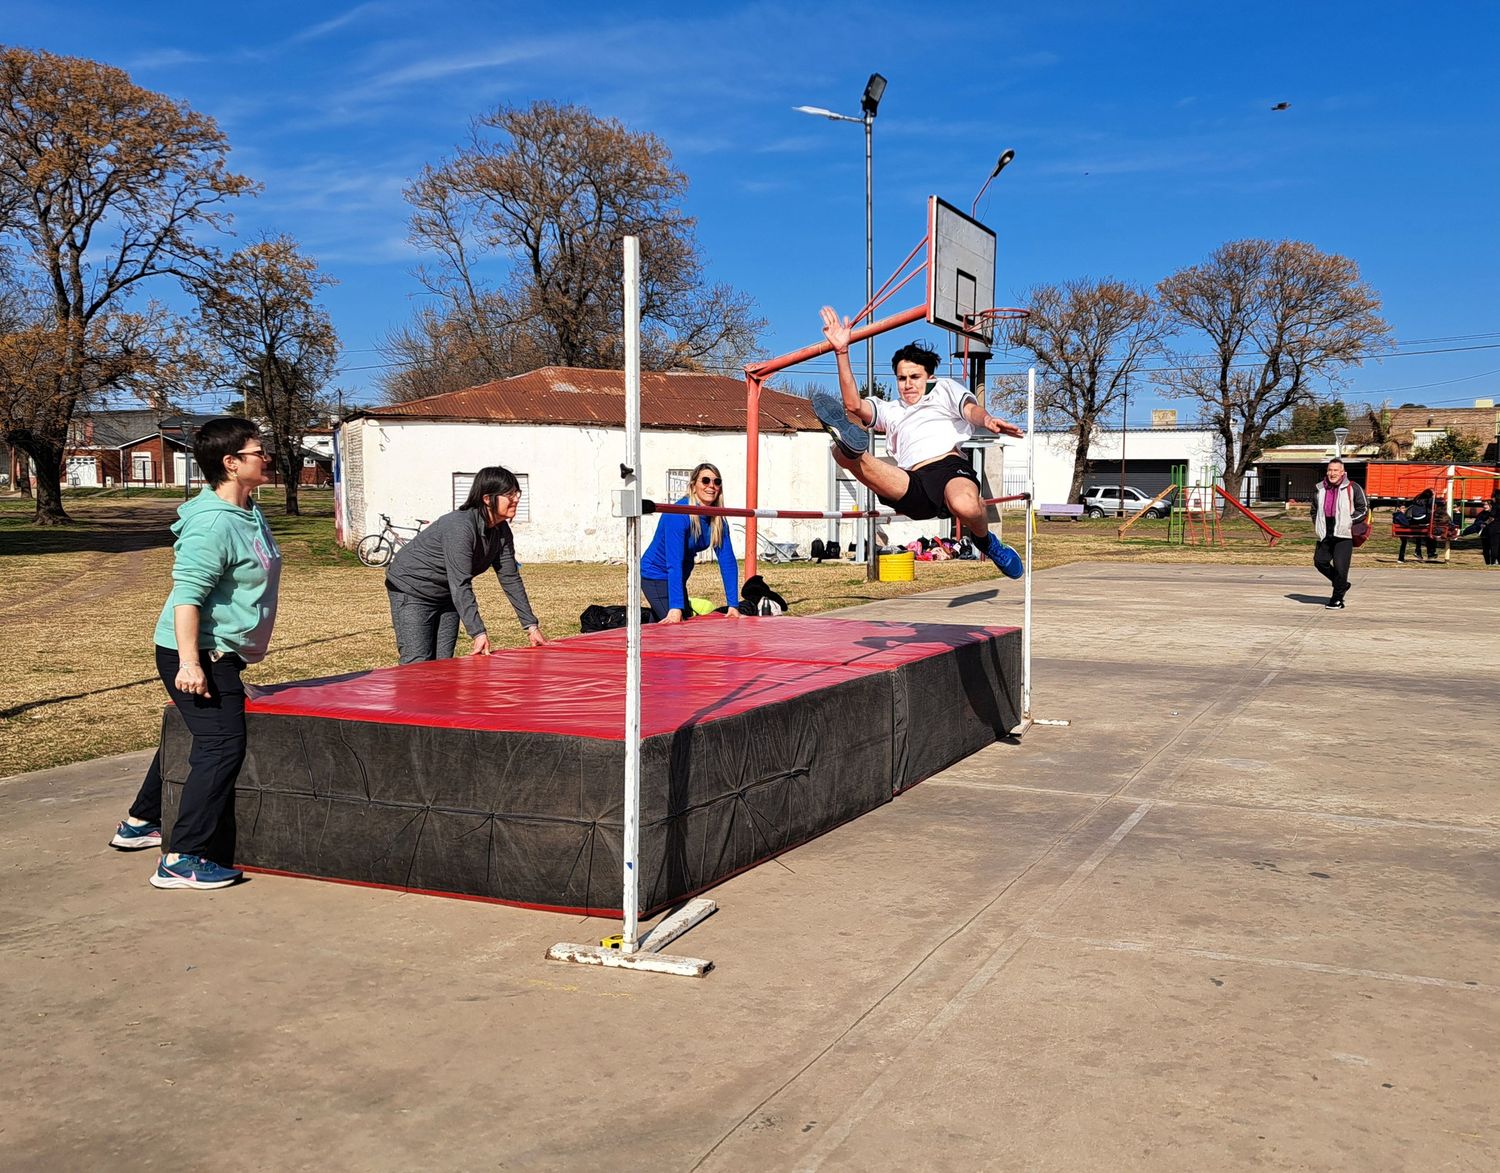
940	549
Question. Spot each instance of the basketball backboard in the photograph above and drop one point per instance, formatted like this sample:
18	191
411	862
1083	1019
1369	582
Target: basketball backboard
960	270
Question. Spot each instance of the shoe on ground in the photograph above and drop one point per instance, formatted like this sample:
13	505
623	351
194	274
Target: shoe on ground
1334	604
1004	557
129	837
193	871
848	435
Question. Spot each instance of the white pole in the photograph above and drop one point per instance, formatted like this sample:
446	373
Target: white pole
1030	527
631	846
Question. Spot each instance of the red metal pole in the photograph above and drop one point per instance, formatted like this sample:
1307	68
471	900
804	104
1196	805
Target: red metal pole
753	381
765	369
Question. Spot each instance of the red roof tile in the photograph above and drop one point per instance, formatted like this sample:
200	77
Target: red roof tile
574	395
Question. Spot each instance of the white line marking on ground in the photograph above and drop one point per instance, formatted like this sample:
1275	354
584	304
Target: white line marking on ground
1380	975
1372	821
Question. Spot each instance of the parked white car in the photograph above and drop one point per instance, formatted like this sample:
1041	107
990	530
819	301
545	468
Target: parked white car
1105	499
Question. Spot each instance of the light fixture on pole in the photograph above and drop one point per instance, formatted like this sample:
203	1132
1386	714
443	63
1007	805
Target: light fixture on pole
869	103
1339	436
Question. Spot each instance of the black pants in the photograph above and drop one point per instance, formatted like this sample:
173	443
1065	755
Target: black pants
660	602
217	723
1417	547
1490	541
1332	559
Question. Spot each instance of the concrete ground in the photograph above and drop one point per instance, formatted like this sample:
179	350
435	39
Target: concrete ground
1243	912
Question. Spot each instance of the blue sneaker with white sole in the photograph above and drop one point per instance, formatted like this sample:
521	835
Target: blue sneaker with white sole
129	837
848	435
1004	557
193	871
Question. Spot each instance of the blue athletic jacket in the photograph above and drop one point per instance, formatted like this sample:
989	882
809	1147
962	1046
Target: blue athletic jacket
672	550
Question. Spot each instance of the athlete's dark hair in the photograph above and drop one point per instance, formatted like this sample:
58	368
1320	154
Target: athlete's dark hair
490	481
917	353
219	438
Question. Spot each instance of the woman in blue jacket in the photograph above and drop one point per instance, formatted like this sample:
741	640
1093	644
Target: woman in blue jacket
678	540
226	571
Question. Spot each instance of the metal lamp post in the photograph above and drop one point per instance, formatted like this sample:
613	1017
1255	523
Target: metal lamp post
868	104
1339	436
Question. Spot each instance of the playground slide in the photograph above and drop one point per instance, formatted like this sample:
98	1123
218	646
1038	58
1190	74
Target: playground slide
1272	536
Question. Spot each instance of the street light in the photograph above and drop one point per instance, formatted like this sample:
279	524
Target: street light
869	103
1339	436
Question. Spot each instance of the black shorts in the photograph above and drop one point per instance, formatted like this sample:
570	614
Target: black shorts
924	495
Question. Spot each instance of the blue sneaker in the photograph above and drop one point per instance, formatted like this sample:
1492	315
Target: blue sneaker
129	837
848	435
1004	557
193	871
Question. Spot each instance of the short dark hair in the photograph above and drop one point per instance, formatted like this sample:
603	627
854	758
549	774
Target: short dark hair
490	481
217	439
917	353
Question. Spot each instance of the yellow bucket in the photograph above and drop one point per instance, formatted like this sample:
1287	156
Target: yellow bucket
898	567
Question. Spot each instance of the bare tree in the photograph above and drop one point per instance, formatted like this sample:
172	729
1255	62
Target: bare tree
1089	338
104	183
552	189
1279	317
259	309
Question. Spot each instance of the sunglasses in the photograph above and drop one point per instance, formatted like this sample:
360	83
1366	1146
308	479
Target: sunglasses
260	452
710	481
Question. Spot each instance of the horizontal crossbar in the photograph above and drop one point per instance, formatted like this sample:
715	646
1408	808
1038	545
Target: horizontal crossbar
795	514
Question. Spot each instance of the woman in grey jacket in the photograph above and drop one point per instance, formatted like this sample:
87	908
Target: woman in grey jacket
430	582
1338	505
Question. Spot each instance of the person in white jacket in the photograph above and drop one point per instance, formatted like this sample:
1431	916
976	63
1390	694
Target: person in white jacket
1338	506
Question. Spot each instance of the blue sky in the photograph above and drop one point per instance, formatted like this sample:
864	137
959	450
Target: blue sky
1144	137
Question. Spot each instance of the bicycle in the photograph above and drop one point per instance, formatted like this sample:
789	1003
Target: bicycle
378	549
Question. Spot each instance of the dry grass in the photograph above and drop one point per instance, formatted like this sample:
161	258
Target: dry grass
77	677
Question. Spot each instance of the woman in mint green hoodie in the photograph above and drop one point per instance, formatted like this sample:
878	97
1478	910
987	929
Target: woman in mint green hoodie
218	618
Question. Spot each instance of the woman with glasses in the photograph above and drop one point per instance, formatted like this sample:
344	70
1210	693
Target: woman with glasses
430	582
226	570
678	540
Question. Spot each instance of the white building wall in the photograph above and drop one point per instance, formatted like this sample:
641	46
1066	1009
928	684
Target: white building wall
1198	448
407	469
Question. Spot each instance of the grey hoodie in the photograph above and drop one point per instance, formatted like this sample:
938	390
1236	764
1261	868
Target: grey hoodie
441	562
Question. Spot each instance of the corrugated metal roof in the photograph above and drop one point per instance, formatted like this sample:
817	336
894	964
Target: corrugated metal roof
573	395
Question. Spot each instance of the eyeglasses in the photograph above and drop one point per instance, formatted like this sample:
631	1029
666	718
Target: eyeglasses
260	452
710	481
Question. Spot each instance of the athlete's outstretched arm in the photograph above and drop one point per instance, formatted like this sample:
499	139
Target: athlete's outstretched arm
837	331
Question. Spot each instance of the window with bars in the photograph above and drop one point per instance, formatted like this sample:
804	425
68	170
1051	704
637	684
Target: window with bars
678	480
464	481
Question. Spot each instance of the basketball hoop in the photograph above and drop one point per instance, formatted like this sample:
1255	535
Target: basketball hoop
983	321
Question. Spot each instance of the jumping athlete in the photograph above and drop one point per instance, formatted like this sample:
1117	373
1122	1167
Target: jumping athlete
923	431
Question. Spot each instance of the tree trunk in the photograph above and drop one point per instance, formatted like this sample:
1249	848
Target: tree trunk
1082	435
49	469
291	472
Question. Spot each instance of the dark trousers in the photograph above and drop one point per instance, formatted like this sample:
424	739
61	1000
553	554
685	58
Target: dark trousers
217	723
1490	541
1332	558
655	590
424	630
1417	547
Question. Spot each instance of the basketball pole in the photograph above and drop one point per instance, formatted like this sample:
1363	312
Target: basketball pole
1030	531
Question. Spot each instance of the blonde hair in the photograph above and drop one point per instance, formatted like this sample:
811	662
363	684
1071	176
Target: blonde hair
716	524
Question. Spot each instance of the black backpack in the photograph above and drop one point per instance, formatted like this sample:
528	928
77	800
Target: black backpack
597	618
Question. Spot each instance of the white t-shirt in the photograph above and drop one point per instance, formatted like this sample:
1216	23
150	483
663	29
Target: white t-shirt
931	427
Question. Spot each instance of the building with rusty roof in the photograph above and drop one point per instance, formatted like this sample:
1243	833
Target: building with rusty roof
561	431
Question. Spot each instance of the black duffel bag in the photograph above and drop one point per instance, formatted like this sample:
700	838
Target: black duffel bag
597	618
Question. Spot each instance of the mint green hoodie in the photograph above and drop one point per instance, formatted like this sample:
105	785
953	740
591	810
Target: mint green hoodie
227	565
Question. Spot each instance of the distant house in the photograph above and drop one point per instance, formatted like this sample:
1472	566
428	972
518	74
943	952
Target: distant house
1413	428
138	447
1289	473
561	430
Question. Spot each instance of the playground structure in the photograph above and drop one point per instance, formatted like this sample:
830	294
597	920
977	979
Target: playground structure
1462	490
1197	515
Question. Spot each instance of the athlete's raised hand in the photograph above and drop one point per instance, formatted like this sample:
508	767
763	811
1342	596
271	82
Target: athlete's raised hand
836	330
